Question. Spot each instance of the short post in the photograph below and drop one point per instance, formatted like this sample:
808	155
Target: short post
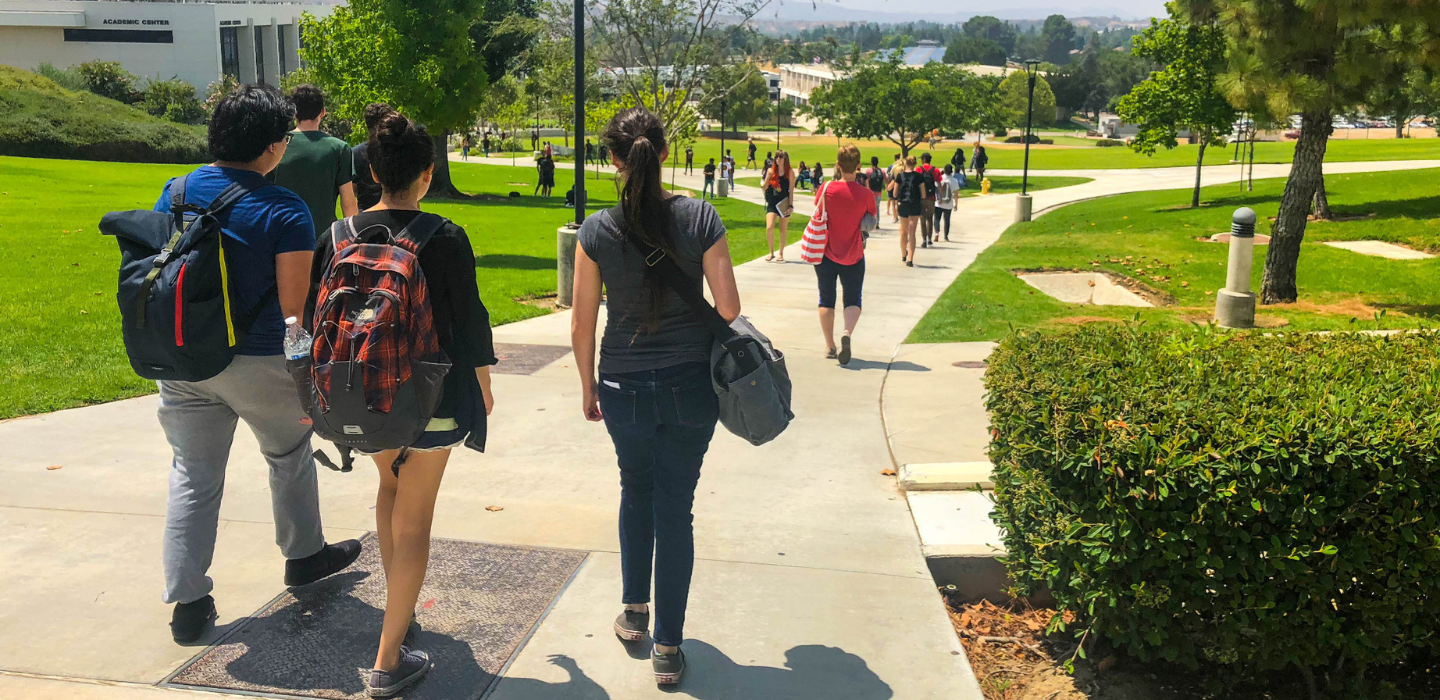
1235	304
1024	205
722	188
565	239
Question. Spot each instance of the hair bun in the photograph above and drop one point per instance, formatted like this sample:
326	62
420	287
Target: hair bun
392	128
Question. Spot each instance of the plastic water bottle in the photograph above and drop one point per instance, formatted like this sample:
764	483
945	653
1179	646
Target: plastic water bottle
297	340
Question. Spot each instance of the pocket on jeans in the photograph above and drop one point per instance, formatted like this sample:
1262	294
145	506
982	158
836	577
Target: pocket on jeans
617	405
696	406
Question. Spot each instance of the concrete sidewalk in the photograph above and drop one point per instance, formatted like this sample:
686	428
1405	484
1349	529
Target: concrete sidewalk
809	580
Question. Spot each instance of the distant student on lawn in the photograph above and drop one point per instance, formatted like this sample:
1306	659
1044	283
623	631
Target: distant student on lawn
689	160
545	170
727	166
318	167
709	187
268	244
485	144
367	191
817	174
979	160
846	204
750	161
957	161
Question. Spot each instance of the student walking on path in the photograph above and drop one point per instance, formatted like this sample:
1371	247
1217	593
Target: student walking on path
876	180
750	159
709	187
927	206
689	160
367	191
269	240
779	181
485	144
654	390
979	160
846	204
910	189
945	195
316	166
957	161
465	147
403	158
891	176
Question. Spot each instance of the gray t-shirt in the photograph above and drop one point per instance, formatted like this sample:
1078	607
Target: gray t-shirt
682	336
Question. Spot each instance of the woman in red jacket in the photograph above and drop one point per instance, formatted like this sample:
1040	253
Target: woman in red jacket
846	204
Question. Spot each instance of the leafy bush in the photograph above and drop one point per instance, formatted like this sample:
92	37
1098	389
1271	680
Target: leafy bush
217	89
43	120
1109	143
175	100
110	79
1237	498
68	78
1033	139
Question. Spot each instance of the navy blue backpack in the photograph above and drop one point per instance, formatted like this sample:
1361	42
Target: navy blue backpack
177	315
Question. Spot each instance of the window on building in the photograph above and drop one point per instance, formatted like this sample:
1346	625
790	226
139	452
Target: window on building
284	55
230	52
259	56
120	36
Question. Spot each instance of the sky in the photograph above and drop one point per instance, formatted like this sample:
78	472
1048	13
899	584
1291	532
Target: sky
943	10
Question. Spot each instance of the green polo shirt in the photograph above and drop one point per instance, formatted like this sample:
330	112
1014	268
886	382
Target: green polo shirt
315	166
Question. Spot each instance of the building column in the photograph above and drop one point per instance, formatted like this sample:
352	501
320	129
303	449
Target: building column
271	46
292	45
246	35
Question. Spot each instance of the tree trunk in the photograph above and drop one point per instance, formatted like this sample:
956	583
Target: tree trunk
1278	283
442	185
1399	127
1199	166
1321	204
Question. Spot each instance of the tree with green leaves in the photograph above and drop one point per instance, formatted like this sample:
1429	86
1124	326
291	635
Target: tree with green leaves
741	90
420	56
1015	100
968	49
992	29
1315	58
1058	37
886	99
1183	94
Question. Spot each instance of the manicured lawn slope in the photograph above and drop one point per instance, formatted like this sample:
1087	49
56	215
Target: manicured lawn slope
61	344
1151	237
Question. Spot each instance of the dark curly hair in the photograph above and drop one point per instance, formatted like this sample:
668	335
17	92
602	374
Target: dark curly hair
247	121
400	150
374	112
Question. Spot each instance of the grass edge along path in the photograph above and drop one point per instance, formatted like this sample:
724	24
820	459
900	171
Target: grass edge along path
61	346
1152	237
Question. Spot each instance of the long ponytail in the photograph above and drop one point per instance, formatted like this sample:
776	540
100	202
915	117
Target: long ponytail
637	138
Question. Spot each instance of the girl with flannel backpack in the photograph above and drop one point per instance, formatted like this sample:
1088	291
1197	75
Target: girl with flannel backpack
403	349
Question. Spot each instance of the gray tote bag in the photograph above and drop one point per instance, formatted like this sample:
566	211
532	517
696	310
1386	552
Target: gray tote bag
748	373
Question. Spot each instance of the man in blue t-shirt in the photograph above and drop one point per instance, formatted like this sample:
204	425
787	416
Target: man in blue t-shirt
268	243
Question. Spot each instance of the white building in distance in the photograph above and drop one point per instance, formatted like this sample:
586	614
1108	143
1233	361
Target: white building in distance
253	40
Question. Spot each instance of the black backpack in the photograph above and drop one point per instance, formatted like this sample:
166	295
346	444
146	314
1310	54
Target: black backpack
176	311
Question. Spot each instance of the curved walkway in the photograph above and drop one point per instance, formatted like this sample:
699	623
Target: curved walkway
809	580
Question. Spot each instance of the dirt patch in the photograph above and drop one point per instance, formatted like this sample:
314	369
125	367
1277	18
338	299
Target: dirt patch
1353	306
1082	320
1261	320
543	301
1145	291
1337	218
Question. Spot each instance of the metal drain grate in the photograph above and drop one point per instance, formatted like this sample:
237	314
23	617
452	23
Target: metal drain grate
479	604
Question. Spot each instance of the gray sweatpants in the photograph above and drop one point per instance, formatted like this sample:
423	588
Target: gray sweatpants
199	421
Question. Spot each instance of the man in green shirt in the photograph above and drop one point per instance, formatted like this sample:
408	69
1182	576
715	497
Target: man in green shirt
316	166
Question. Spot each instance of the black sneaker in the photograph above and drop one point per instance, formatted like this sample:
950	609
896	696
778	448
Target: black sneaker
331	559
412	667
668	667
632	626
844	350
190	620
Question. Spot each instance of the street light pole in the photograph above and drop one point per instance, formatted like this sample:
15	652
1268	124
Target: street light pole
1024	204
722	131
579	110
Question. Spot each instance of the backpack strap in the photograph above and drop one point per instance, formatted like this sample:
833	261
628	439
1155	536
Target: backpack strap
421	229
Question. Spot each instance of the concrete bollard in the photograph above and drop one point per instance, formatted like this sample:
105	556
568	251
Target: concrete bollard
1235	304
1024	206
722	188
566	239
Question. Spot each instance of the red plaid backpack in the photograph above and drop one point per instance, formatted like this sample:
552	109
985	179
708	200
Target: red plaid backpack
375	372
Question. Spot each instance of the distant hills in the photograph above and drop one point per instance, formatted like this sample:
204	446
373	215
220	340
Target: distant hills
791	15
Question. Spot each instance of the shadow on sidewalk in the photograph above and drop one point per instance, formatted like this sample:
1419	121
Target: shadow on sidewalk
858	364
577	687
811	672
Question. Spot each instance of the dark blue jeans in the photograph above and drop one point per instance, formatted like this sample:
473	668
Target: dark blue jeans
661	422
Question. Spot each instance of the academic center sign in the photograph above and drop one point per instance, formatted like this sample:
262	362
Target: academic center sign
255	41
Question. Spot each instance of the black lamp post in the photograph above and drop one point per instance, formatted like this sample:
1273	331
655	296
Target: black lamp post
579	111
722	131
1031	67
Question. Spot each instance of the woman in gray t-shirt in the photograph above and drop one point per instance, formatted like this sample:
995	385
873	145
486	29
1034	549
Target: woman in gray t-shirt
653	390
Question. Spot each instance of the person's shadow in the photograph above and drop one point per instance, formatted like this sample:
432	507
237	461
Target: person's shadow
577	687
811	671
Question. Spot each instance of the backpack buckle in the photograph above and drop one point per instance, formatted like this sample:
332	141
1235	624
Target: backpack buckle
655	257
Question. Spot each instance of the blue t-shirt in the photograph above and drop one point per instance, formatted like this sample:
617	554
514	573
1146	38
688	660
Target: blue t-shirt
266	223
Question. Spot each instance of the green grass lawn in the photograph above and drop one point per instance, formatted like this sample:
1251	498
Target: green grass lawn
1151	237
1066	157
61	346
999	184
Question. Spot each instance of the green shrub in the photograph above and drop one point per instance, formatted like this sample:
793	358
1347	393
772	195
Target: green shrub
1234	498
40	119
68	78
174	100
109	79
1109	143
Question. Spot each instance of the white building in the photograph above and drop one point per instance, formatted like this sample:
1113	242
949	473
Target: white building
255	40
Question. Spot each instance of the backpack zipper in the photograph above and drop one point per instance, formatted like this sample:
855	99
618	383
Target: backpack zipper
180	307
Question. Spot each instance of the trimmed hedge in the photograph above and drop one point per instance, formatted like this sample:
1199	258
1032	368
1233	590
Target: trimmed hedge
40	119
1109	143
1195	495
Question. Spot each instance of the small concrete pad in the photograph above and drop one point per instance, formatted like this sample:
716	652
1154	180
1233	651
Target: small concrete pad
952	522
1083	288
1380	249
947	476
478	605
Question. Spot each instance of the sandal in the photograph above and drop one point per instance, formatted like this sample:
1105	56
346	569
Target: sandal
831	354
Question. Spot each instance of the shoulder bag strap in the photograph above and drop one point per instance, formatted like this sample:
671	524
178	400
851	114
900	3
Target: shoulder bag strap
681	283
